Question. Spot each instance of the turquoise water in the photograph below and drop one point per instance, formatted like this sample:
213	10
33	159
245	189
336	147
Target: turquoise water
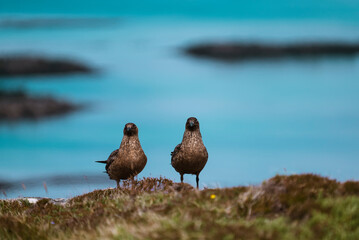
257	119
239	9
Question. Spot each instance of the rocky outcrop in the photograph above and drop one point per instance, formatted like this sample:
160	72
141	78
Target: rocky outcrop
249	51
27	66
16	105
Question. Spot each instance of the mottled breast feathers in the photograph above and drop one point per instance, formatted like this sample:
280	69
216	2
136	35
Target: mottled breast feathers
190	156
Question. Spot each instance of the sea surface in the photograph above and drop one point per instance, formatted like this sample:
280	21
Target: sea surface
257	118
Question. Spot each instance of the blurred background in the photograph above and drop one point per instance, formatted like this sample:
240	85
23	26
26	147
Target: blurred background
258	118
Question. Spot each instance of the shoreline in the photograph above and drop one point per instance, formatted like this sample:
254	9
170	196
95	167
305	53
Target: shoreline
88	179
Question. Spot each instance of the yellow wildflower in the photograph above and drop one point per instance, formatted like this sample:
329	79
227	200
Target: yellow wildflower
213	196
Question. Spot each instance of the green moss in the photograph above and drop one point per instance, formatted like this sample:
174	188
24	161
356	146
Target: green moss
340	222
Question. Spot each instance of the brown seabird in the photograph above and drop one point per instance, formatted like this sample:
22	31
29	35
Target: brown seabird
190	156
129	160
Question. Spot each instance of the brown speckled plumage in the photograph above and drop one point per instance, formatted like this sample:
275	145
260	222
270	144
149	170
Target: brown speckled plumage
190	156
129	160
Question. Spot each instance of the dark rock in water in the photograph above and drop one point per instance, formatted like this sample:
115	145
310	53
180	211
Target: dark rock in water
17	105
4	185
24	66
245	51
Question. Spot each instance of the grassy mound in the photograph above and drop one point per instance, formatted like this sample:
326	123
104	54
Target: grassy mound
284	207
